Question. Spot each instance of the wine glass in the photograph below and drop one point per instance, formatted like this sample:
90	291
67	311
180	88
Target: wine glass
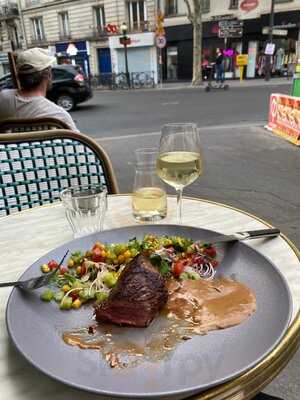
179	161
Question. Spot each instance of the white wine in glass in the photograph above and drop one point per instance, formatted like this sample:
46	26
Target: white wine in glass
179	161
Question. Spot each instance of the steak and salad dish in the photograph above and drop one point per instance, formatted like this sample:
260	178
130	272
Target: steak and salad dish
166	284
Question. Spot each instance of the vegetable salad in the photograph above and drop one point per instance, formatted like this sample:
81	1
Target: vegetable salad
92	274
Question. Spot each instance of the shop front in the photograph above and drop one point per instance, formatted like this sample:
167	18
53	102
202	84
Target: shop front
178	54
80	56
286	32
141	54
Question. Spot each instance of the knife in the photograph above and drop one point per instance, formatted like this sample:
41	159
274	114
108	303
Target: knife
239	236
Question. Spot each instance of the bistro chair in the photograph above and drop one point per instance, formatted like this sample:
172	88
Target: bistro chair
14	125
36	166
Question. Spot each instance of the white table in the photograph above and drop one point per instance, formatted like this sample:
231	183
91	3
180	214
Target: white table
27	235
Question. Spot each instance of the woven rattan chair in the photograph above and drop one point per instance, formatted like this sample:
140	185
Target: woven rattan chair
36	166
31	124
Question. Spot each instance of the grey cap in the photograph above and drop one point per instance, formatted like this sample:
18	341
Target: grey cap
34	60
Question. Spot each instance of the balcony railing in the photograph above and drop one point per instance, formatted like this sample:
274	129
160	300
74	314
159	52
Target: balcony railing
65	36
99	32
41	41
142	26
9	12
31	3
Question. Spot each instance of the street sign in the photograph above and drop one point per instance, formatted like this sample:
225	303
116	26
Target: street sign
230	28
160	30
241	60
276	32
125	41
270	48
161	42
72	50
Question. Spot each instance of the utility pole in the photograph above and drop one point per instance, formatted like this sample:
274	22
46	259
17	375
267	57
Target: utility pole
22	23
270	40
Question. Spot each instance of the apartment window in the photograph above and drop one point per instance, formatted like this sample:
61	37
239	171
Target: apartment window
38	28
137	15
171	7
99	18
64	24
206	6
234	4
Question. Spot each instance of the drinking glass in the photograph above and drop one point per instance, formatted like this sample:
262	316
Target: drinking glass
85	208
179	161
149	199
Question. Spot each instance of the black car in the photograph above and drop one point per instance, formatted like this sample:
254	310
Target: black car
69	86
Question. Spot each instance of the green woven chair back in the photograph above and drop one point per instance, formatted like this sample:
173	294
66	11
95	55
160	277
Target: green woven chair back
35	167
31	125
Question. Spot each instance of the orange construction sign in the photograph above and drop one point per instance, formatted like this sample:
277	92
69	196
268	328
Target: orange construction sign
160	30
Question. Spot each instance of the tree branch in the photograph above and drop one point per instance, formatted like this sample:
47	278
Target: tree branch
189	11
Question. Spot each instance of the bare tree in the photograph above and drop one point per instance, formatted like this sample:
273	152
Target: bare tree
194	14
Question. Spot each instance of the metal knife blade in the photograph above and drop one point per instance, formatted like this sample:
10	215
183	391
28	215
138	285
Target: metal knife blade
239	236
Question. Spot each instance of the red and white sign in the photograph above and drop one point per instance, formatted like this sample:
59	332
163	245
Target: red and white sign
284	117
161	41
249	5
110	28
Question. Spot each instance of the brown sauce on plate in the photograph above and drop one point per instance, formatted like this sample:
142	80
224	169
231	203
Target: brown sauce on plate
193	308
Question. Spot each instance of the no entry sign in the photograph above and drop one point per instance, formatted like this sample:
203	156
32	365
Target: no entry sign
161	42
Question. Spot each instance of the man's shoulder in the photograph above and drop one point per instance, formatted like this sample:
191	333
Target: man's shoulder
52	106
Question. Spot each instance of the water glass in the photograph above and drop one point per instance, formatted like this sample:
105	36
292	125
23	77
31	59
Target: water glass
149	199
85	208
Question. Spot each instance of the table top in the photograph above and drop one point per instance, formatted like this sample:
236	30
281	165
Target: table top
26	236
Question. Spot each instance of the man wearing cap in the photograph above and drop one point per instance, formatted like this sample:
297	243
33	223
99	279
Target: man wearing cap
34	73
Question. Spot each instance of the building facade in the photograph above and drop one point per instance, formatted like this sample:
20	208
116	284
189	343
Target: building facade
11	37
92	27
254	18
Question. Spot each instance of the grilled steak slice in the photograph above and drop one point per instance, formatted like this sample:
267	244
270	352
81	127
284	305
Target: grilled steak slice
137	297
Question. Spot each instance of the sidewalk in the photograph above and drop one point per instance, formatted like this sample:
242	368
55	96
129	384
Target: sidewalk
231	83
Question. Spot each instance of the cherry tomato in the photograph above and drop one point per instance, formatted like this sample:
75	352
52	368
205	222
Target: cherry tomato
52	264
210	252
215	263
178	267
196	259
73	295
63	270
97	254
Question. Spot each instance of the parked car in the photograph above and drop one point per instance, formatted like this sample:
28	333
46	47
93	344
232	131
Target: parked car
6	82
69	87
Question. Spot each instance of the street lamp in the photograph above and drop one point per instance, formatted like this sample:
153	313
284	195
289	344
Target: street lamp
125	41
270	40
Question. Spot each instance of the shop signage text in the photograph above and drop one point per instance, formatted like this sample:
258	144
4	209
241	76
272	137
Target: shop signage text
290	25
284	117
230	28
222	17
276	32
137	40
249	5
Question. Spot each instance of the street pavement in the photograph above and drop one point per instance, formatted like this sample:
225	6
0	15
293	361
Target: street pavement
245	166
